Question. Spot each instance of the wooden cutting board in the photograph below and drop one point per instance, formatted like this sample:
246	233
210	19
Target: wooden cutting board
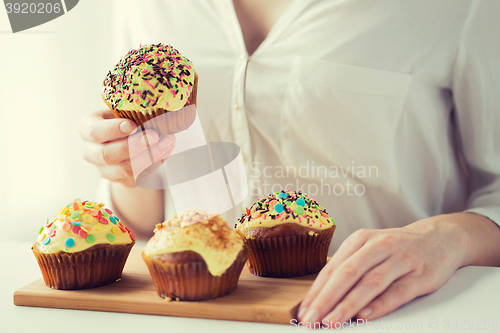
257	299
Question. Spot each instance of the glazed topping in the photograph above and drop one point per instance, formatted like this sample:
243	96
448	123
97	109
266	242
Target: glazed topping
148	78
212	238
285	207
80	225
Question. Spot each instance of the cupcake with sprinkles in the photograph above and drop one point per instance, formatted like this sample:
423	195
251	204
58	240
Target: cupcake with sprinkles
195	256
155	86
84	246
288	234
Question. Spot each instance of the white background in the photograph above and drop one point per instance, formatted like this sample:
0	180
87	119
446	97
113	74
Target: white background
50	77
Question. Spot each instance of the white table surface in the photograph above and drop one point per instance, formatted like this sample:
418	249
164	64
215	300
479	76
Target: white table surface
471	296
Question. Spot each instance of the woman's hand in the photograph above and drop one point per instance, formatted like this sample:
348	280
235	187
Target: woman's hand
108	146
376	271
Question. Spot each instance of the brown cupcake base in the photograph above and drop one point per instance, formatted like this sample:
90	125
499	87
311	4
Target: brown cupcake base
185	276
289	255
96	266
163	121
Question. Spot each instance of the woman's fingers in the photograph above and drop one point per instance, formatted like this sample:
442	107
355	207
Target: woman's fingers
119	150
399	292
99	128
150	169
392	267
117	172
342	279
372	284
129	169
346	249
157	146
126	173
170	144
155	153
105	114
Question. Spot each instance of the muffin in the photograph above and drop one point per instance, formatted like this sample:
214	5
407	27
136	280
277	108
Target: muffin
288	235
84	246
195	256
155	86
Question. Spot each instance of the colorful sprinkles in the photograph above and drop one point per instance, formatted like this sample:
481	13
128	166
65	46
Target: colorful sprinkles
162	68
77	220
278	208
69	242
279	205
90	238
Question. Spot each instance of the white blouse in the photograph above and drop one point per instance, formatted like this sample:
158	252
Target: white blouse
385	112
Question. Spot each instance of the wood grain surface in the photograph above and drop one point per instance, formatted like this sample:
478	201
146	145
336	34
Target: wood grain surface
257	299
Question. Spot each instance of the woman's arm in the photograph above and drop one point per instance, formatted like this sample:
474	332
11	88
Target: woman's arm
140	208
482	237
376	271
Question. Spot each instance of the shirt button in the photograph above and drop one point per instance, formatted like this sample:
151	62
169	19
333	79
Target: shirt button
236	106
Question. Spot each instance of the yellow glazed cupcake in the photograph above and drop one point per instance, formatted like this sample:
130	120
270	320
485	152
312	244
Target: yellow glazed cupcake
195	256
84	246
152	81
288	234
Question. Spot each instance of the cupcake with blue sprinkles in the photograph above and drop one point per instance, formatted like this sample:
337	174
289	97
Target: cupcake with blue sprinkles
288	234
83	246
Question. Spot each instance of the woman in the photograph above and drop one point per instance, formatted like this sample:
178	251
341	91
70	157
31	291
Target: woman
407	89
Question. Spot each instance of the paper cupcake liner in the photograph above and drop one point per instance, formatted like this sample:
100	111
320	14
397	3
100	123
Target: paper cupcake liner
96	266
192	281
170	122
289	256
